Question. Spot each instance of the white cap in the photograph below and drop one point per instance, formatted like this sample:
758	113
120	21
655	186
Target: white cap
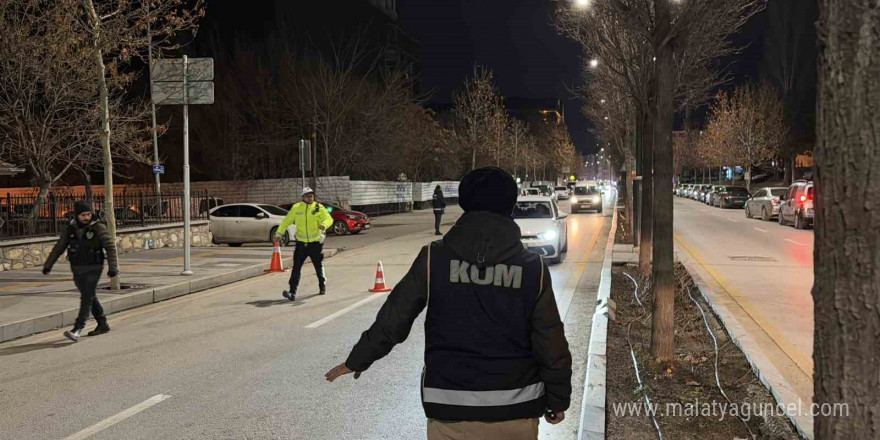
306	190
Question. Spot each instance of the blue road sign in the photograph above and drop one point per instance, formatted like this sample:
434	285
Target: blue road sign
158	169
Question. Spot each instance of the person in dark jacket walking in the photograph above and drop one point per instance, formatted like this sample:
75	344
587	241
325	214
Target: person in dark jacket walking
88	244
496	357
439	208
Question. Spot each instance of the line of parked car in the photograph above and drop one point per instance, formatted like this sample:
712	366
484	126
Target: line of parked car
788	205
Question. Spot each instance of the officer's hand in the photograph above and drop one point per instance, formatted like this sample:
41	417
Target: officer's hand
321	227
46	270
112	273
339	371
557	419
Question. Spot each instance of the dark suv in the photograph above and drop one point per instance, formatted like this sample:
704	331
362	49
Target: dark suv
730	197
797	205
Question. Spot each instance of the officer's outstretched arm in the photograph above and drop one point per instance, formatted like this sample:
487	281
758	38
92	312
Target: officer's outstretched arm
551	348
395	318
57	250
289	219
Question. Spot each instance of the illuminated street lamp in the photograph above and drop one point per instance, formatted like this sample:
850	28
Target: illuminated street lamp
594	63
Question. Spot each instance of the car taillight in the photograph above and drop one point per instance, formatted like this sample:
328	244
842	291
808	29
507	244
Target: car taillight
803	198
774	201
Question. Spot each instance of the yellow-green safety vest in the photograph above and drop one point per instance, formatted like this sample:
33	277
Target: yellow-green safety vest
306	217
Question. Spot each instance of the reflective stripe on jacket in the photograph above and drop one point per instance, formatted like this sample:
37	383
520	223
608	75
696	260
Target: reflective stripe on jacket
306	217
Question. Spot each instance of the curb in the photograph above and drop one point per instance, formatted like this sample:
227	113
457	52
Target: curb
592	424
51	321
766	372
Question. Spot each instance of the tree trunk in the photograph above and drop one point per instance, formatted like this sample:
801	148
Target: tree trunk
749	178
789	171
104	95
630	218
645	228
34	218
90	194
846	291
662	326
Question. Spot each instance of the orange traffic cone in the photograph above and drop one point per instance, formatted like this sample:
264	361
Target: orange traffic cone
379	286
275	266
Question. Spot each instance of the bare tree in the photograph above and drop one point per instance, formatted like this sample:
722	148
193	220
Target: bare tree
753	120
476	106
120	31
846	292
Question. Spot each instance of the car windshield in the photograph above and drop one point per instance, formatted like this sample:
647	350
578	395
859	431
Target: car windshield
778	192
532	210
274	210
738	191
560	188
585	190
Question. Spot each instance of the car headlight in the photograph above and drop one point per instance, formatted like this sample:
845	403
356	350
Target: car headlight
351	217
548	235
596	199
574	199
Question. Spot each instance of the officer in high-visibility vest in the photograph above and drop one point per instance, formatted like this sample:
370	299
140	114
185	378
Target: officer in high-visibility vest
311	219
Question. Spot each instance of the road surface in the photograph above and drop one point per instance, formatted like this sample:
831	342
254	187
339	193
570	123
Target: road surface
240	362
766	271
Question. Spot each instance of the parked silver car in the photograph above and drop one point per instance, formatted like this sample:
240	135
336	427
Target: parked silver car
765	203
797	205
247	223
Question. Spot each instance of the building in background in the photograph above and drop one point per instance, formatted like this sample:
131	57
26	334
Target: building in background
536	110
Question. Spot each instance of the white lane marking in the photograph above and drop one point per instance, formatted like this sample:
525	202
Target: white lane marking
795	242
346	310
732	220
112	420
759	229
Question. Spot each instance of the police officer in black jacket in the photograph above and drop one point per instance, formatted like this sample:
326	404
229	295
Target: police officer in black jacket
88	244
496	357
439	208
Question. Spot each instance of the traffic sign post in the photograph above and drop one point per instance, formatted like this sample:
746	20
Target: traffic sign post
183	82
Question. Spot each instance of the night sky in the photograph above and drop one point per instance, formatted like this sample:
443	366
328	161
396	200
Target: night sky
515	38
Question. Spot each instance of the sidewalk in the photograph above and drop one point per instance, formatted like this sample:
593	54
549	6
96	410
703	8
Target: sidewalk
32	303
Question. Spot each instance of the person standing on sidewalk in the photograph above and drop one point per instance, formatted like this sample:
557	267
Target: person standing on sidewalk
496	357
88	244
439	208
311	220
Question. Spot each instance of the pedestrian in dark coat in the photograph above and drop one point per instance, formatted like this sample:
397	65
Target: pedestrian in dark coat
88	244
439	208
496	357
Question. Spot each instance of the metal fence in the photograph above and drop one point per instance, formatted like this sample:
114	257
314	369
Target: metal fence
18	220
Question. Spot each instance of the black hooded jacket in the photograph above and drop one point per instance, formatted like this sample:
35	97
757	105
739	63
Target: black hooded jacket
437	200
495	347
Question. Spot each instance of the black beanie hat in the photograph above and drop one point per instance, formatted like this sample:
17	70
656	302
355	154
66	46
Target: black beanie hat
81	207
488	189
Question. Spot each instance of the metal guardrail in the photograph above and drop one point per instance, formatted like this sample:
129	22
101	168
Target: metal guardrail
18	219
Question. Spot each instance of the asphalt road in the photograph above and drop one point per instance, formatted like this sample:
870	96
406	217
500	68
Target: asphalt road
766	271
240	362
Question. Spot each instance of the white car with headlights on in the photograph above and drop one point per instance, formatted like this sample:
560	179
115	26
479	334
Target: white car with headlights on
542	226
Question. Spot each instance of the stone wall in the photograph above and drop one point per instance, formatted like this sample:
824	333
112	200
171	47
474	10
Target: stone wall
20	254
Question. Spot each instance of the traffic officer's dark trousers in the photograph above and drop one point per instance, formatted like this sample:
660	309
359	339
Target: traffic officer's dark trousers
438	215
86	281
315	251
